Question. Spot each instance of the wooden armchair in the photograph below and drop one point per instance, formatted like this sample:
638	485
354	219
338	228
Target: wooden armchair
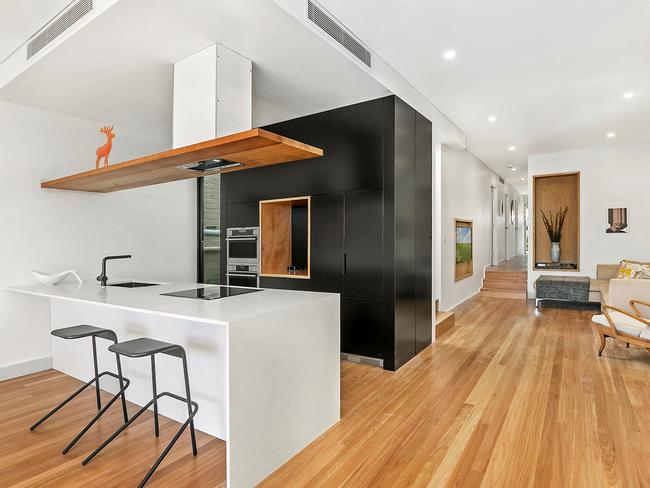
632	328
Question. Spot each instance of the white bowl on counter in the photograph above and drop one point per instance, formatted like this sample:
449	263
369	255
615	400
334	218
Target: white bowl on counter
53	279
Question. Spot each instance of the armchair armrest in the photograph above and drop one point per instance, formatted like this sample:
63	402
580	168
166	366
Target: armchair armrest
634	306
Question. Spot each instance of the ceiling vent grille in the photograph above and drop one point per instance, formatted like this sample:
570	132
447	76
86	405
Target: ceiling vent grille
58	26
337	32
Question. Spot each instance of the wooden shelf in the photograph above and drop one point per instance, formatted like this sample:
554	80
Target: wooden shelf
298	275
285	224
252	148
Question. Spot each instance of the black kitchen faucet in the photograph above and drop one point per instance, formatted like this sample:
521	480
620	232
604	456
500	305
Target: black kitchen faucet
102	278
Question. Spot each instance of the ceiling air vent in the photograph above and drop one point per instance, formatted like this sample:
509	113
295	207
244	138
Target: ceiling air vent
502	181
58	26
337	32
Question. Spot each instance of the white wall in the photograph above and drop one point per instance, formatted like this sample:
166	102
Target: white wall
609	178
53	230
466	194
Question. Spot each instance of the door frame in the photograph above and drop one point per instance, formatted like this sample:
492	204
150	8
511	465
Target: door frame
506	216
495	214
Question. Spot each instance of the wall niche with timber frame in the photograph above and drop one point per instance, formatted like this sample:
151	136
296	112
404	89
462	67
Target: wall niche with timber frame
551	193
285	235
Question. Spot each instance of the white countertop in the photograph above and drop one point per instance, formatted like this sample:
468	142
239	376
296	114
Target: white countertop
149	300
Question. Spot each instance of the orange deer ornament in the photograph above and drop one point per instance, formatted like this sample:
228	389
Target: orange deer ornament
105	150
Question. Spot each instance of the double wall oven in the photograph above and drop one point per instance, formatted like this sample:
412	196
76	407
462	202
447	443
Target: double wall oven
243	256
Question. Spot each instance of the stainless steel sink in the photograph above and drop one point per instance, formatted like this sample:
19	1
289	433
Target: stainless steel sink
133	284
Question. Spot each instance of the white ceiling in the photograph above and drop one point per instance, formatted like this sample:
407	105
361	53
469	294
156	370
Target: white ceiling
119	68
553	72
19	19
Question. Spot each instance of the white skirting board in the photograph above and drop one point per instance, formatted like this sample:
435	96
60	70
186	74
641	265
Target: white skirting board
35	365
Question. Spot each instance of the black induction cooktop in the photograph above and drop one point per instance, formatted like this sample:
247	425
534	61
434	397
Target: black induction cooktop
211	292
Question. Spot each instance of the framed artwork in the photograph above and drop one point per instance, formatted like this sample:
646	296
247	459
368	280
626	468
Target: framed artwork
617	222
464	241
513	212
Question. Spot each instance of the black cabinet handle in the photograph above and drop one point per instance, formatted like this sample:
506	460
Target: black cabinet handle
345	263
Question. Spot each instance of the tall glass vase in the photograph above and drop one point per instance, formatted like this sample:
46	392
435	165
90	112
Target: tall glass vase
555	252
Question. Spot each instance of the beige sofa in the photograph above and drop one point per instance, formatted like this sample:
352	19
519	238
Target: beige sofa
609	290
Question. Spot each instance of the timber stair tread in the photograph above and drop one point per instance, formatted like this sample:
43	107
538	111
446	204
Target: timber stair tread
518	295
444	322
505	284
506	276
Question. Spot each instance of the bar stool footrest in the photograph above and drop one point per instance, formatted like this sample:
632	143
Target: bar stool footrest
100	413
80	390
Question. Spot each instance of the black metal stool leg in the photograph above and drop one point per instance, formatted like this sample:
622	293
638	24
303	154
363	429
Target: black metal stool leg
155	395
99	414
164	453
99	399
62	404
116	433
189	404
123	395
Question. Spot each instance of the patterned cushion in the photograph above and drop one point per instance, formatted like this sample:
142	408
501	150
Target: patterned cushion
643	273
633	269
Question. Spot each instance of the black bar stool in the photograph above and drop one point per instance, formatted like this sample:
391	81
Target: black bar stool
78	332
142	347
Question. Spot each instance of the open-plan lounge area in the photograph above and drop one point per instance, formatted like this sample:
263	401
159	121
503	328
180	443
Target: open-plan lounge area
263	243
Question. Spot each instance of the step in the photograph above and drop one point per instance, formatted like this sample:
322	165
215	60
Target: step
506	276
517	295
505	285
444	322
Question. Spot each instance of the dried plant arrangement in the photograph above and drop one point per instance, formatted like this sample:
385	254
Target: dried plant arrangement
554	223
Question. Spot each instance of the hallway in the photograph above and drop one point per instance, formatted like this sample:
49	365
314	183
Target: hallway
516	264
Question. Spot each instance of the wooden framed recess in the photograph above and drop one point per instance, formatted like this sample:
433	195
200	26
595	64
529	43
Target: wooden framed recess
244	150
281	220
551	192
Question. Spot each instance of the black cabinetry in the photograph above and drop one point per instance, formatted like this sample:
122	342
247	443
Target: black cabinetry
363	244
371	215
327	229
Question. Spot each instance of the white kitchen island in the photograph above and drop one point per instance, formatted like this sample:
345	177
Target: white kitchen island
264	366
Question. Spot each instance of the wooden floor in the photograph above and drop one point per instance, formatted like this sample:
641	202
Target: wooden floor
509	397
34	459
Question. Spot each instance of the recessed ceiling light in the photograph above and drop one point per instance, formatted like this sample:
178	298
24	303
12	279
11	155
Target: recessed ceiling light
628	94
523	179
449	54
512	148
509	165
492	118
513	169
611	135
